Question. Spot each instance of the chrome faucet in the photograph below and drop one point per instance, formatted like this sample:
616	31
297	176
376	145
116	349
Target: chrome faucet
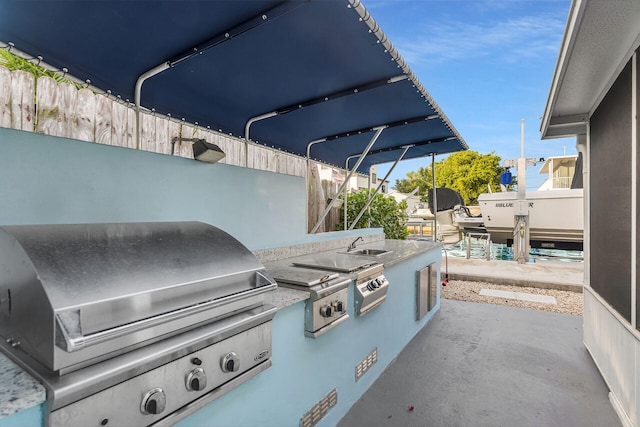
352	246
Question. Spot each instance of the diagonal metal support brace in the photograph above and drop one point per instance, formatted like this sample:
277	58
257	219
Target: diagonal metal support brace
348	178
355	221
345	207
360	131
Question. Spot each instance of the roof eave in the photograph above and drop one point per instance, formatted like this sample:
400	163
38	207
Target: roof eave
599	40
576	12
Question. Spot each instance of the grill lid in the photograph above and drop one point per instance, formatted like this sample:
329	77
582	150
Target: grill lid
117	277
301	276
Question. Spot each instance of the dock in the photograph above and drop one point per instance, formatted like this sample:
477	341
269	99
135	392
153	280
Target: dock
566	276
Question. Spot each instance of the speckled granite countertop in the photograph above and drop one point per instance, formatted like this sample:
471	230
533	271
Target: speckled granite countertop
398	251
18	390
283	297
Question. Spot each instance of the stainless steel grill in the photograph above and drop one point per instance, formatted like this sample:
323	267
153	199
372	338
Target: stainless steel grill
327	306
156	319
370	289
371	285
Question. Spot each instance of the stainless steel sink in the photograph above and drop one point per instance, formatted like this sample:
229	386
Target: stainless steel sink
367	252
342	261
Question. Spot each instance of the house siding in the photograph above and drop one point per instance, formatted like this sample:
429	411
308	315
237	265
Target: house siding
610	201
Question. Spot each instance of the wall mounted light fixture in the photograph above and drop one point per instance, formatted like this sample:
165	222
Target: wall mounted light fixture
202	150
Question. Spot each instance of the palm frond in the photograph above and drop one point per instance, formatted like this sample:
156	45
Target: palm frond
14	62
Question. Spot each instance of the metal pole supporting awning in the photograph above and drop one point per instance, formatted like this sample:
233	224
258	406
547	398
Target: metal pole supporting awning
348	178
199	49
355	221
320	99
435	198
345	206
358	132
308	157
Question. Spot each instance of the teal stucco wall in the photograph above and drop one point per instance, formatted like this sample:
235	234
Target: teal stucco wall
32	417
49	180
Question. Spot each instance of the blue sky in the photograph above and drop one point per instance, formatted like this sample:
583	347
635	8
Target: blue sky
487	63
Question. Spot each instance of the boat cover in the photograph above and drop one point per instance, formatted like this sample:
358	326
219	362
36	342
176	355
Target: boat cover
576	182
447	198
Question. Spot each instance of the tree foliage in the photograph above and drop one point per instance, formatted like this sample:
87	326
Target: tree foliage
420	179
14	62
384	212
467	172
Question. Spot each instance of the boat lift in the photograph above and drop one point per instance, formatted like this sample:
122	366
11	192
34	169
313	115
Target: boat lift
521	241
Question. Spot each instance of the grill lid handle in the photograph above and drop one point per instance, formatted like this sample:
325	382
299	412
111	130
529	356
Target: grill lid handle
69	327
263	279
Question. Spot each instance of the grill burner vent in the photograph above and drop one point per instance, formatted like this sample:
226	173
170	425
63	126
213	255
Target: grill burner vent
366	363
320	409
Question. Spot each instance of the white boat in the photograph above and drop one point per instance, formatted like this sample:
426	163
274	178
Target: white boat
420	221
556	213
420	224
468	219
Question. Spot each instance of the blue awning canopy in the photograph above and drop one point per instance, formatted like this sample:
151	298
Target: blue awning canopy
311	70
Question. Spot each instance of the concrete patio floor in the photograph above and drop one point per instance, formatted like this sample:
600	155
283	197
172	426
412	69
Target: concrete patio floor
487	365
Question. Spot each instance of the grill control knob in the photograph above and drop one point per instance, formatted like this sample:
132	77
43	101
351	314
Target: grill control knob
230	362
196	380
338	306
326	311
154	402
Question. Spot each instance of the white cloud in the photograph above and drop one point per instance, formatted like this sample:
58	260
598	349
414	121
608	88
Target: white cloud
511	40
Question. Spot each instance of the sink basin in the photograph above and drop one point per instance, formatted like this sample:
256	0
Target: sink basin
368	252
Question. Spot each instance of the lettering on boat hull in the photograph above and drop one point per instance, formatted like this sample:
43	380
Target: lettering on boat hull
509	205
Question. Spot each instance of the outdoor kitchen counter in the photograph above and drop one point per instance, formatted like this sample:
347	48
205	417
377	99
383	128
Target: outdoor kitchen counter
398	251
19	390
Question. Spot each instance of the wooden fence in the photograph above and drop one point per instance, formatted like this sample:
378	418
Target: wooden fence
49	107
60	109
